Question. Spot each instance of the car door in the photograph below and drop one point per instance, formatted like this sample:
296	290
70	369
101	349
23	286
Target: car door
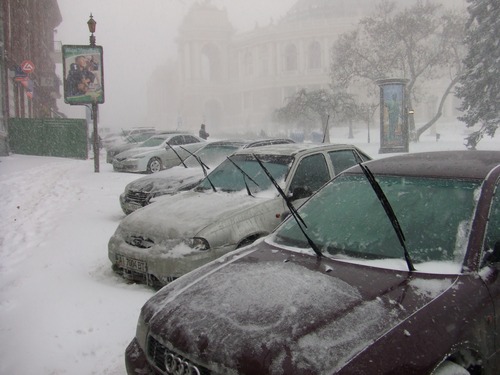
173	154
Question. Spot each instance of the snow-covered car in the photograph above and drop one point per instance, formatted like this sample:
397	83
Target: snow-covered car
396	270
129	142
140	192
235	205
161	151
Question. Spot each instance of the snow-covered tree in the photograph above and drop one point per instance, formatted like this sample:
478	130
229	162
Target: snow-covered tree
479	86
420	43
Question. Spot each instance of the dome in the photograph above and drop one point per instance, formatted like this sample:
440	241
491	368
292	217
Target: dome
305	10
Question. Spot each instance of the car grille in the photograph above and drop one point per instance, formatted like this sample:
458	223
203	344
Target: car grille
137	197
139	241
163	357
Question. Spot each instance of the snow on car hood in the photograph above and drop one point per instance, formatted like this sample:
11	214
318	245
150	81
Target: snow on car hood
185	214
282	313
166	180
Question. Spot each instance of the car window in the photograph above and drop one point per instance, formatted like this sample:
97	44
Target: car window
434	214
176	140
153	142
341	160
190	139
311	173
493	230
211	155
227	177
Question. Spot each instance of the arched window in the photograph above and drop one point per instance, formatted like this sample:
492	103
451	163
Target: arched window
290	57
314	55
264	60
210	63
248	64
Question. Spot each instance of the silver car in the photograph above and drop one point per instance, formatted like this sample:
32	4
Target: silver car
159	152
234	206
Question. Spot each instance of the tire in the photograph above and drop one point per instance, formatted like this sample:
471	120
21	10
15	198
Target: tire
154	165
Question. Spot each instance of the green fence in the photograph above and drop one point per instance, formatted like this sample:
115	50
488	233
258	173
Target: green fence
49	137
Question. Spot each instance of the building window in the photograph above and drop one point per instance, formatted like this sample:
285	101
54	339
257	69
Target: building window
264	61
248	64
290	57
314	56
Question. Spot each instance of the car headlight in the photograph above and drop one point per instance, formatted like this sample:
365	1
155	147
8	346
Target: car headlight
199	243
141	332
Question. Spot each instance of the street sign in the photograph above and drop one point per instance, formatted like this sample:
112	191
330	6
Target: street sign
27	66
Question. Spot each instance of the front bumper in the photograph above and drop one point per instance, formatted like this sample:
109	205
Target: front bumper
153	266
136	361
128	166
132	201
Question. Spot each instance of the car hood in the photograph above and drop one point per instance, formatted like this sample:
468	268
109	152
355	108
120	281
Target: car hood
183	215
136	151
169	180
270	311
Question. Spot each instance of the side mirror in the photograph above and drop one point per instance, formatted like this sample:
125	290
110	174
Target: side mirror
301	192
493	256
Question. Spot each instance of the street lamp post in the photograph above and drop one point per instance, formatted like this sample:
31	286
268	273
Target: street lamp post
95	141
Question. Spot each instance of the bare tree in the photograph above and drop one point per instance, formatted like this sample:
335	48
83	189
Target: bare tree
420	43
323	106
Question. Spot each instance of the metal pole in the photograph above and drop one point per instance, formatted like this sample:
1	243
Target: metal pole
96	138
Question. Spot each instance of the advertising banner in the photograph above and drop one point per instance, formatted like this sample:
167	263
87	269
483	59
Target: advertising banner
83	74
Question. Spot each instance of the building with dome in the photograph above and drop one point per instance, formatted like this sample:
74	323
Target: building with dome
231	80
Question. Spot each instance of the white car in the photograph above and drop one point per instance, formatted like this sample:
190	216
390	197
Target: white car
235	205
144	190
159	152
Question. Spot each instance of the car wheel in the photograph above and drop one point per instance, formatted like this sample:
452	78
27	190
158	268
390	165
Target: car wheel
450	368
154	165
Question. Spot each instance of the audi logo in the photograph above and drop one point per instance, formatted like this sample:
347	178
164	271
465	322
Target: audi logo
175	365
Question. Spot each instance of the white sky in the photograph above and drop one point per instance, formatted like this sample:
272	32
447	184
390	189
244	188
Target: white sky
137	37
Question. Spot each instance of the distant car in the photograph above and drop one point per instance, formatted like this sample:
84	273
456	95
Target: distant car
140	192
396	270
161	151
129	142
235	205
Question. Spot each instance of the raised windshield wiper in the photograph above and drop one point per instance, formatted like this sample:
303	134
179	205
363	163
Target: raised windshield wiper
292	209
203	166
389	211
245	175
198	159
176	153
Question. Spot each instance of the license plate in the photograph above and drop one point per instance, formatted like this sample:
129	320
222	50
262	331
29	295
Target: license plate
131	264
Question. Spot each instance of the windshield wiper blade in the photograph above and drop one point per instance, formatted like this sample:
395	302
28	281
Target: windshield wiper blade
390	213
292	209
245	175
176	153
198	159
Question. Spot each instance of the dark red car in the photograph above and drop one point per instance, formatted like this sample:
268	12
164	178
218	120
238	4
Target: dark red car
392	268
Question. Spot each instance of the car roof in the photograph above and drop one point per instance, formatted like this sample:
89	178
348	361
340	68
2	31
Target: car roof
293	149
466	164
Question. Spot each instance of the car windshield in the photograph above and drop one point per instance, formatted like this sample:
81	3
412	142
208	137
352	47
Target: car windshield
211	155
227	177
346	220
153	142
138	137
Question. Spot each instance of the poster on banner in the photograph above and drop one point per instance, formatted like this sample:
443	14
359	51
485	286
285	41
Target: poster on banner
83	74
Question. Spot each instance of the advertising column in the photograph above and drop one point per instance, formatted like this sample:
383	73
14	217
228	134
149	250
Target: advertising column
394	135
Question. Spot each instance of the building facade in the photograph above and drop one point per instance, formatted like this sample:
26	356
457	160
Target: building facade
235	81
29	84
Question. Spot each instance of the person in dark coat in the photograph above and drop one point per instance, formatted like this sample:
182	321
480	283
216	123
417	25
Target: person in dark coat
203	133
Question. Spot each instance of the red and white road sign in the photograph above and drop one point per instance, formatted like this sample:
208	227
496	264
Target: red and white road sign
27	66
